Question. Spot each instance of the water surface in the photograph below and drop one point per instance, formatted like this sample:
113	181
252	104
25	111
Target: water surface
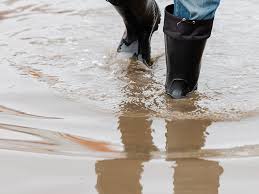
76	117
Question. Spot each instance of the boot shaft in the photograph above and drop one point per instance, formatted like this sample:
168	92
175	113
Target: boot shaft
183	59
185	41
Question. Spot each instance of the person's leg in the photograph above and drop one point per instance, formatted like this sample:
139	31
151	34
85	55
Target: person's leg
195	9
188	24
141	18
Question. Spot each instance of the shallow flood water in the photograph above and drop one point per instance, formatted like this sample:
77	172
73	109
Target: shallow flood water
75	117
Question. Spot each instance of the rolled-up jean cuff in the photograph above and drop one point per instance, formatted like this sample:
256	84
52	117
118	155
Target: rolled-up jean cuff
196	9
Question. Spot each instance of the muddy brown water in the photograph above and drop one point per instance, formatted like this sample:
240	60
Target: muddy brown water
75	117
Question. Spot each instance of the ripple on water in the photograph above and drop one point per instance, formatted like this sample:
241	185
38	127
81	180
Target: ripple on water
42	141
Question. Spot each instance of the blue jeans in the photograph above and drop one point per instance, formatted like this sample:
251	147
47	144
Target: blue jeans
195	9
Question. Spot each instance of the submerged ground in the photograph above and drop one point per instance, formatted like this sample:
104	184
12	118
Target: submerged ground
75	117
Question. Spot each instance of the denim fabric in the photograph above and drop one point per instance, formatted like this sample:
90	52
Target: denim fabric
195	9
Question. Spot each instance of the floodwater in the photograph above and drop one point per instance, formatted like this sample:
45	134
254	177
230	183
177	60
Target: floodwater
75	117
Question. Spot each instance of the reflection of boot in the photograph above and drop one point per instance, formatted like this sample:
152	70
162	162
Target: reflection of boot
119	176
141	18
186	135
136	135
197	176
185	41
191	175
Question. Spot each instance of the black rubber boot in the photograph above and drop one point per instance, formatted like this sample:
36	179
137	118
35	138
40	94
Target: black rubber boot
141	18
185	41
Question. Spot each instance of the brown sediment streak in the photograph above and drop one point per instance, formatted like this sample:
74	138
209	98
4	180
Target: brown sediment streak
26	142
14	12
35	73
30	9
234	152
21	113
93	145
55	143
43	134
3	14
51	140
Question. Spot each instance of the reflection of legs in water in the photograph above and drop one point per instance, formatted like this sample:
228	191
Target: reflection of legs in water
196	176
122	176
136	135
192	176
119	176
134	121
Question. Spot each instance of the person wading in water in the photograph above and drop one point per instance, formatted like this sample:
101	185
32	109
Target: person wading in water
187	26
